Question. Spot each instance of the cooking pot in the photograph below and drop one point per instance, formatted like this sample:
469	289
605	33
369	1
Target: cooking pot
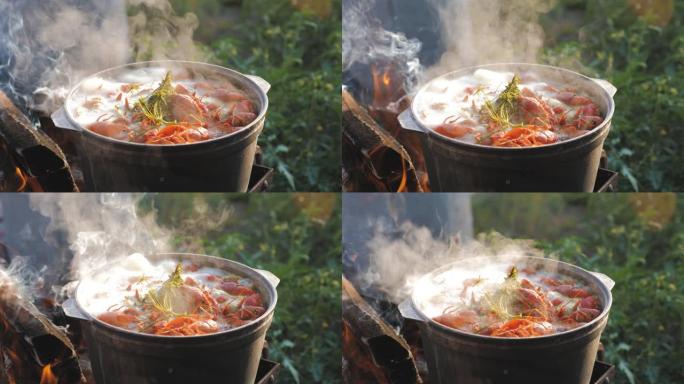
222	164
458	357
565	166
232	356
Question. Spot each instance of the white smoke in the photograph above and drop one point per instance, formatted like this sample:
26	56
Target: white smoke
474	32
49	45
365	41
100	228
398	259
488	31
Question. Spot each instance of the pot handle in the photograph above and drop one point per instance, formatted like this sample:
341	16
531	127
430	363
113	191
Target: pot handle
408	312
610	283
263	84
610	88
273	279
407	121
59	118
71	310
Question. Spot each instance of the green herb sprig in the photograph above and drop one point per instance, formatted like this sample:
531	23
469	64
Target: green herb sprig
155	108
504	107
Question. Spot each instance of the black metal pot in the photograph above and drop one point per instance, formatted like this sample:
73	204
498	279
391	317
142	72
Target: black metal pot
232	356
570	165
221	165
458	357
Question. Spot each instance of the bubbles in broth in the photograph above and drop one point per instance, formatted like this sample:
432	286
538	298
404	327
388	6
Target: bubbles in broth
513	300
506	109
158	105
170	297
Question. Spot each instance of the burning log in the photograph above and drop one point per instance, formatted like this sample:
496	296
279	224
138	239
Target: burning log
389	99
32	349
372	351
36	154
372	158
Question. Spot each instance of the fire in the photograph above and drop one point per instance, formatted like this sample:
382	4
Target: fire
26	182
385	91
21	178
390	98
402	185
386	79
47	377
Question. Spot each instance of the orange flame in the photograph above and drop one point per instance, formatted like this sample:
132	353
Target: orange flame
402	185
383	91
389	97
22	179
47	377
386	78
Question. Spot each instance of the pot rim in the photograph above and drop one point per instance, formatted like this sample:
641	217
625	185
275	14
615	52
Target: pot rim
587	136
214	67
265	282
522	340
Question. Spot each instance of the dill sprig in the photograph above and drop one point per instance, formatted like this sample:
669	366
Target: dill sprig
501	110
510	95
161	299
513	274
155	107
175	279
503	301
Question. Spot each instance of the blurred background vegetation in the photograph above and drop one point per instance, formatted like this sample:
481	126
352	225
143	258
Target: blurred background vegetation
636	239
296	46
295	236
638	45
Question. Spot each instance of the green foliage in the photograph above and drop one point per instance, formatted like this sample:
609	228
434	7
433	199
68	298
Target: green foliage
295	236
299	54
646	64
637	240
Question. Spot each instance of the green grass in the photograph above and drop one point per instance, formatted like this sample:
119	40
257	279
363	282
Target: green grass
299	54
295	236
645	62
637	240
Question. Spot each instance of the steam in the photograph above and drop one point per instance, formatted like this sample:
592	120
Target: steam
100	228
487	31
14	279
474	32
157	33
365	41
398	262
48	45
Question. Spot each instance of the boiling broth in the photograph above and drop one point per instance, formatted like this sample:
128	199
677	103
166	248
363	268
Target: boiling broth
506	109
171	298
527	303
158	106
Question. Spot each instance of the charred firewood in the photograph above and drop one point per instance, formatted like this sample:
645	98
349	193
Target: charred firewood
373	160
33	150
373	351
30	343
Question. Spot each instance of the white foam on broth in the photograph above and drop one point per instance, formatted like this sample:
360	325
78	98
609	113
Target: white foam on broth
110	287
441	290
445	97
102	97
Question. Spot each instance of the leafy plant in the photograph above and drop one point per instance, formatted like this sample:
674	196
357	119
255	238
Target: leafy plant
639	47
299	54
